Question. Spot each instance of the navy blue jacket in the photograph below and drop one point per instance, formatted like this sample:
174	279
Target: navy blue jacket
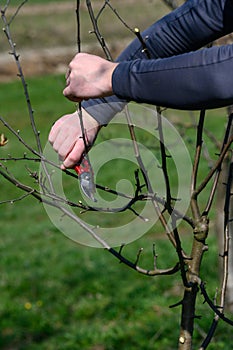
180	74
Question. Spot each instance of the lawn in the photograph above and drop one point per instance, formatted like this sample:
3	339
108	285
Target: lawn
56	294
60	295
39	24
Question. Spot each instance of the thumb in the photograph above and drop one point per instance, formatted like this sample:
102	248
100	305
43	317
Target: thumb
74	156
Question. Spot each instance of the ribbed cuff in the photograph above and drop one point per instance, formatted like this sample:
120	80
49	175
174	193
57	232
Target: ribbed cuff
104	109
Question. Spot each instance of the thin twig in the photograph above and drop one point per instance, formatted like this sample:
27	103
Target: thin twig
194	204
218	170
213	170
97	32
212	306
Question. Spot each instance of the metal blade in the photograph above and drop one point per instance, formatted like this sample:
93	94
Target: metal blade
87	186
85	174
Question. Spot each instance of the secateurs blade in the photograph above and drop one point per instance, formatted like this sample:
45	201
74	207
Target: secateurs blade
85	174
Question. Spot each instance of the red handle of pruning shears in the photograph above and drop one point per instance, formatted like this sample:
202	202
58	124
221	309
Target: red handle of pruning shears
83	167
86	177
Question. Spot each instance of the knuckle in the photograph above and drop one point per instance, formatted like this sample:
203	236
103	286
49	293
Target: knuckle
55	148
71	65
61	154
71	159
51	141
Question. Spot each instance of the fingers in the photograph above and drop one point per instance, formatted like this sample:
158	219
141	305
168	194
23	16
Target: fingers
67	139
68	74
88	76
69	88
63	146
68	94
75	155
68	91
63	136
69	150
54	137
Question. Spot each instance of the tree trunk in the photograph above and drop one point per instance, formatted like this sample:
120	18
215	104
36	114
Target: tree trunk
193	272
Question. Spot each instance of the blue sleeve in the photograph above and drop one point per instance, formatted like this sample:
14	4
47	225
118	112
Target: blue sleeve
188	28
192	81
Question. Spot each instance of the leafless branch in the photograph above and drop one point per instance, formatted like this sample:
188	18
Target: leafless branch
217	310
172	4
218	169
188	265
97	32
194	205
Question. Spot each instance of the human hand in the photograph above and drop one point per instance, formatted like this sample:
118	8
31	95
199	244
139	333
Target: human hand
89	76
67	139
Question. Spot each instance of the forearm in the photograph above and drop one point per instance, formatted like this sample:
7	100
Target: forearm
191	26
195	80
188	28
173	77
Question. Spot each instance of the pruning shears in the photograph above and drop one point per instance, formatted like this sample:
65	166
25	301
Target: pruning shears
86	177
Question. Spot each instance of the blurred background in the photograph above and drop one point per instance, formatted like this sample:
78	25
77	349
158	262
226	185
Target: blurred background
56	294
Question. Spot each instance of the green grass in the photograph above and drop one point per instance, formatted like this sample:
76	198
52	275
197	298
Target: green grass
57	295
32	2
51	29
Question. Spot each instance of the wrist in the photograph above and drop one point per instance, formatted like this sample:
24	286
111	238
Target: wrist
107	79
114	65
